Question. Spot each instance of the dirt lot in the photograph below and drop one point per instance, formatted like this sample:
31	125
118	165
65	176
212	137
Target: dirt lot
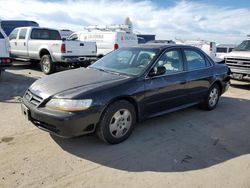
188	148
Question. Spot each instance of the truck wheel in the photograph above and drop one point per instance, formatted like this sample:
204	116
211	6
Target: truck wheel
117	122
47	65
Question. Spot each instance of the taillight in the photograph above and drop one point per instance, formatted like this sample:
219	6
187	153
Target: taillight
63	48
116	46
5	60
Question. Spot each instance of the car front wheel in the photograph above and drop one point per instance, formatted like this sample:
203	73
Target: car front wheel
117	122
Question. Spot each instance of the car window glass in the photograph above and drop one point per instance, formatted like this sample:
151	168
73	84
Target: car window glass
22	34
230	49
13	34
131	61
172	61
194	60
73	37
54	35
124	57
221	50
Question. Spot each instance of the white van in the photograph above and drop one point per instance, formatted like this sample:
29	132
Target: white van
5	60
106	41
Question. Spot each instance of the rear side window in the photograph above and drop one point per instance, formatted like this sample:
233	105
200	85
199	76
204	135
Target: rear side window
221	50
22	33
13	34
54	35
230	49
194	60
45	34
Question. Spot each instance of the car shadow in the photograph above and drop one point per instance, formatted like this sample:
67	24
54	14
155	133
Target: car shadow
186	140
241	85
13	86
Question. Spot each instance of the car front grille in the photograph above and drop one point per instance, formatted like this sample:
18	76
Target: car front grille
238	63
33	98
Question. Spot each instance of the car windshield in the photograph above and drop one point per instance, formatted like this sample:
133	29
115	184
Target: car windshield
129	61
244	46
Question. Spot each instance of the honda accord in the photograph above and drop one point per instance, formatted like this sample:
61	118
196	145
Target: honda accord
124	87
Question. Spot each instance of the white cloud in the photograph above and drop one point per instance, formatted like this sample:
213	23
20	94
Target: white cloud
183	20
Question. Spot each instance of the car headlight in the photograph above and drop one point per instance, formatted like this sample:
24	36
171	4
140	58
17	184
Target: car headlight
69	104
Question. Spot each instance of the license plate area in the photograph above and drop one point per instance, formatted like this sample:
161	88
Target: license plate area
25	111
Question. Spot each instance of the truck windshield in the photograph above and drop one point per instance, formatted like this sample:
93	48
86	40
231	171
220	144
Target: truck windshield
128	61
244	46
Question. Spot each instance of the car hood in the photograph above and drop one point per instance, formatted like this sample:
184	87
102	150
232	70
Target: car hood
72	80
238	54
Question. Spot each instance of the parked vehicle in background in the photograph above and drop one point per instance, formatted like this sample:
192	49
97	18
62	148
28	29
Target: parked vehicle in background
208	47
157	42
9	25
65	33
5	60
126	86
46	45
239	61
223	49
107	39
144	38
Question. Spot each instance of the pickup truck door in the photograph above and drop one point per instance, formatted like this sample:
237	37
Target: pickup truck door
21	44
13	42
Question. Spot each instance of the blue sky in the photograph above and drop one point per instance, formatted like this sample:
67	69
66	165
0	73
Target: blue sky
222	21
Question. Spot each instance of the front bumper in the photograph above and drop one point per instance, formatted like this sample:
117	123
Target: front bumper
61	123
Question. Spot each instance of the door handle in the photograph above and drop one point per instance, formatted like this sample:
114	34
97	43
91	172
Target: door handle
184	82
15	43
81	44
24	43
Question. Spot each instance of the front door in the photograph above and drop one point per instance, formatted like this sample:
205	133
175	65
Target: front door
166	91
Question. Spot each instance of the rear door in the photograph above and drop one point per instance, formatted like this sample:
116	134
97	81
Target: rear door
199	75
167	91
21	44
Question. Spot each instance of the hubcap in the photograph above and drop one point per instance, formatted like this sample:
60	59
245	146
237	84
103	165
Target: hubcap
213	97
46	65
120	123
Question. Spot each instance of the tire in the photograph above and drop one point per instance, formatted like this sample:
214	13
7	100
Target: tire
212	98
47	65
117	122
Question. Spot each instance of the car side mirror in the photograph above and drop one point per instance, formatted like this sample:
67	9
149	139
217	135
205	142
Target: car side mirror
156	71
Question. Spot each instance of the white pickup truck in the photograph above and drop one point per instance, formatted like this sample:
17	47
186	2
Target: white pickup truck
5	60
47	46
239	61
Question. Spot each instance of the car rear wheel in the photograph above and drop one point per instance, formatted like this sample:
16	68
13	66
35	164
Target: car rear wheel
212	98
47	65
117	122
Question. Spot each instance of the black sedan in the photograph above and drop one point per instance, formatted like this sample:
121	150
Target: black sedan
125	87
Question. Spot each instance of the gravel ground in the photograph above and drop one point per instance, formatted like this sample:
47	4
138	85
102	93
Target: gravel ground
188	148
